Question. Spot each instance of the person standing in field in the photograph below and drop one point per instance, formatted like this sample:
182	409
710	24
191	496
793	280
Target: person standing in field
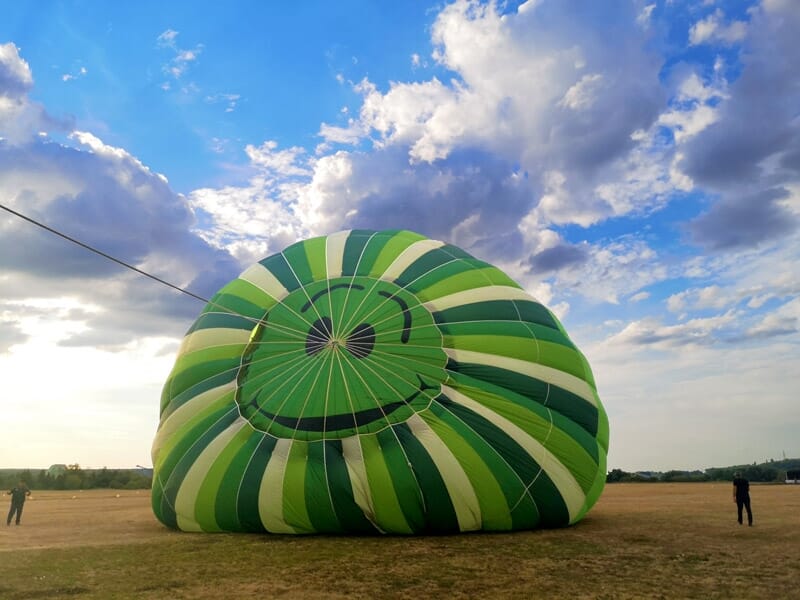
741	495
18	496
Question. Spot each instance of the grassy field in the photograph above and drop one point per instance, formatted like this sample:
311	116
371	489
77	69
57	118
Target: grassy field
640	541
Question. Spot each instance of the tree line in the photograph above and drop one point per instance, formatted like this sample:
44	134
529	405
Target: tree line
773	471
75	478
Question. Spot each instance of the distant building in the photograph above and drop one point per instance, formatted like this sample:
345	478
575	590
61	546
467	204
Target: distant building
793	476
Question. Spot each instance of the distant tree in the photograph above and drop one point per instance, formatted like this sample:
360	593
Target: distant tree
40	481
102	478
616	475
72	481
25	476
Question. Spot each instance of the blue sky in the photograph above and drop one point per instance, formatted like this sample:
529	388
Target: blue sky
634	165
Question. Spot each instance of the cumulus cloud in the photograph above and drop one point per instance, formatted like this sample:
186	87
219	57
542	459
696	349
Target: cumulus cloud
16	79
596	140
10	331
558	257
259	218
106	198
695	106
749	153
714	29
88	189
651	332
784	321
741	221
538	88
94	189
612	271
712	296
583	94
540	118
20	117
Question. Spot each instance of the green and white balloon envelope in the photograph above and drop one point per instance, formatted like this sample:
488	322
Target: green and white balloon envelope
377	381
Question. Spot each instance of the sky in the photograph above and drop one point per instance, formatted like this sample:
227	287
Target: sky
634	165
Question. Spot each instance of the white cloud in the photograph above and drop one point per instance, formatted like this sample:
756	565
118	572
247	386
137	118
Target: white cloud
20	118
229	100
686	124
514	74
540	90
783	321
613	270
81	72
694	299
653	333
16	78
643	18
284	163
167	38
583	94
108	199
262	217
731	405
713	29
182	57
695	106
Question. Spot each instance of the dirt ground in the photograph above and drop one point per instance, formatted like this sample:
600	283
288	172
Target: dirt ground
57	519
653	540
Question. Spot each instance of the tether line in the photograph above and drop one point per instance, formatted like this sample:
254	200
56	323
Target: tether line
103	254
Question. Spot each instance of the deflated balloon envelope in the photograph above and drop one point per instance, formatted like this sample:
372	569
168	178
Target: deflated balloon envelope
377	382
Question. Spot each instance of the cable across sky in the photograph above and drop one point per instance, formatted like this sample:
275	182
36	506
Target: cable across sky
101	253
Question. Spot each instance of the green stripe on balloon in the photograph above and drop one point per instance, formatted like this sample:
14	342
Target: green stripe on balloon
386	495
498	310
318	500
562	401
393	246
440	514
212	320
354	249
350	516
228	493
479	432
215	485
494	508
201	435
544	411
295	510
247	507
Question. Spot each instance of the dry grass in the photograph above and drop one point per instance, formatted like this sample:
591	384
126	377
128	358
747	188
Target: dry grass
640	541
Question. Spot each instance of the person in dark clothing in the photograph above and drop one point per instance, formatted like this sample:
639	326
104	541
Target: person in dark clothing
18	496
741	495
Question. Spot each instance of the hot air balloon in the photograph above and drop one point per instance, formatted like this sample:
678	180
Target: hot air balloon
377	382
